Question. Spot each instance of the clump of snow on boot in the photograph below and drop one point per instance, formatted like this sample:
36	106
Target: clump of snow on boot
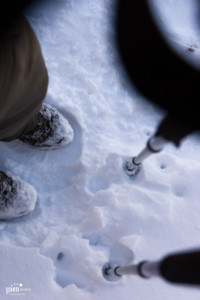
17	198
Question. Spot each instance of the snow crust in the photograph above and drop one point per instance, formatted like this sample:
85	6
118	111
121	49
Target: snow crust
89	211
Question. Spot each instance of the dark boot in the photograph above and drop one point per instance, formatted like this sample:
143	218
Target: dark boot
17	198
53	130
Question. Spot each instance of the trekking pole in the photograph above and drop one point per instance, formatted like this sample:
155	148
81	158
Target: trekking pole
154	145
182	268
144	269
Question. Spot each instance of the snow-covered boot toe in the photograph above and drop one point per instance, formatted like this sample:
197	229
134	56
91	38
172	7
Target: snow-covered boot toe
17	198
52	131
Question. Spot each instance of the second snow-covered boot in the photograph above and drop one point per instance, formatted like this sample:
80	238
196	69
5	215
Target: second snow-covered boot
52	131
17	198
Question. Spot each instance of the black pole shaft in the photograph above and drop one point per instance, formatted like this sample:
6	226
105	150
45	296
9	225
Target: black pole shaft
181	268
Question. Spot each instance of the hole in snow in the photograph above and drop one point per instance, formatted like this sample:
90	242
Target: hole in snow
178	193
60	256
148	133
163	166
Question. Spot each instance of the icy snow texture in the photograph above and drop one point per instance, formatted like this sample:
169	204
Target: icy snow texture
89	211
22	199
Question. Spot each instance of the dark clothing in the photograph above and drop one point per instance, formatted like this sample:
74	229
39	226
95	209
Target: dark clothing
157	71
23	80
173	130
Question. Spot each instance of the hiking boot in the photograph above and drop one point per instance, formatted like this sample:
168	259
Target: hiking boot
17	198
52	131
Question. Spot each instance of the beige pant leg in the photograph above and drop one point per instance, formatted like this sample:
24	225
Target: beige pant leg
23	80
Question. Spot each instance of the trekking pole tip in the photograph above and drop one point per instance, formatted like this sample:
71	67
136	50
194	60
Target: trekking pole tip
131	168
109	273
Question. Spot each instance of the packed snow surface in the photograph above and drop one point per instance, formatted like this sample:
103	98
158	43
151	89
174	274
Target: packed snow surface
89	211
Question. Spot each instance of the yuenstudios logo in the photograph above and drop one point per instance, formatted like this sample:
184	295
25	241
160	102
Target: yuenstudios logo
17	289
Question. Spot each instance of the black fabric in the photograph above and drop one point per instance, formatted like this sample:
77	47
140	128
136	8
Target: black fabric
9	10
173	130
182	268
155	70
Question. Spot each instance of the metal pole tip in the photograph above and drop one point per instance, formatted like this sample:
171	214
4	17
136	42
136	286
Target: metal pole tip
108	272
130	168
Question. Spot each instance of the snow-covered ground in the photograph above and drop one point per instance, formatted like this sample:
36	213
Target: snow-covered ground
88	210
